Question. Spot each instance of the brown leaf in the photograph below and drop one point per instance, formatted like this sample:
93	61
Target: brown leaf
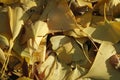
59	16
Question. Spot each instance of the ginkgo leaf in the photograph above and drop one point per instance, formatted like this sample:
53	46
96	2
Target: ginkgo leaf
15	15
108	31
60	70
40	53
9	1
84	3
76	33
40	28
67	49
47	66
59	17
85	19
28	3
75	74
107	72
30	9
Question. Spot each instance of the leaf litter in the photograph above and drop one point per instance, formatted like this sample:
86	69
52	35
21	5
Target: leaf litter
59	39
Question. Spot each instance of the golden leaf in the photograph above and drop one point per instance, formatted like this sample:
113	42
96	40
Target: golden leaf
16	22
66	49
9	1
106	50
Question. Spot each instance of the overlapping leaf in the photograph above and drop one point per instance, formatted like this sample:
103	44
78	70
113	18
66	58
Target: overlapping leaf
9	1
2	56
59	39
67	49
58	16
108	31
16	22
102	62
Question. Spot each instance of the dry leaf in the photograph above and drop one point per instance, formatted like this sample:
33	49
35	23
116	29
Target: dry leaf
9	1
74	75
112	7
4	22
47	66
67	49
59	17
4	44
2	56
85	19
40	53
60	70
40	28
84	3
16	22
108	31
106	50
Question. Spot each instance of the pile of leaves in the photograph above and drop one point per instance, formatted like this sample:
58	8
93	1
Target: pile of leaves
59	39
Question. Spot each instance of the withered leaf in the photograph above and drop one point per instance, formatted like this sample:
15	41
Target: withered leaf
15	15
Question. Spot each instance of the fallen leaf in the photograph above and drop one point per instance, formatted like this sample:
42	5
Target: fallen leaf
4	22
60	70
59	16
2	56
4	44
112	7
47	66
40	28
85	19
106	31
105	51
84	3
74	75
67	49
15	15
9	1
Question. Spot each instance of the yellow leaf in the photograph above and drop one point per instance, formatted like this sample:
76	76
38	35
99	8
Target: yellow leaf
66	49
16	22
40	28
4	44
101	68
108	31
40	53
84	3
2	56
9	1
60	70
47	66
75	74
